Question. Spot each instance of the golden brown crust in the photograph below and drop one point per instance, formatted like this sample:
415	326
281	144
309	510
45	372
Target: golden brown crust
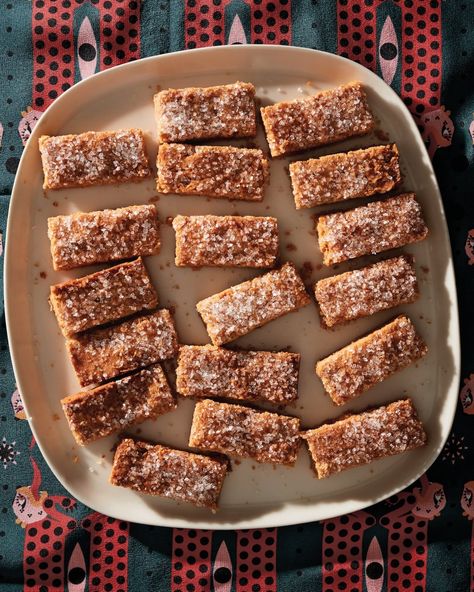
226	241
343	176
102	297
360	439
102	354
209	371
246	306
175	474
94	158
370	229
324	118
352	370
366	291
86	238
223	172
244	432
117	405
226	111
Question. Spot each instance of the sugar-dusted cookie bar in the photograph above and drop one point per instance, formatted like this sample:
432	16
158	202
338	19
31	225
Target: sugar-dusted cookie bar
102	297
379	226
352	370
99	355
244	432
167	472
348	175
324	118
244	307
209	371
226	241
94	158
118	405
223	172
363	292
85	238
226	111
361	438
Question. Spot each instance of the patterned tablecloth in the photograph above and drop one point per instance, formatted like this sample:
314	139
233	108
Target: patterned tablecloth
420	540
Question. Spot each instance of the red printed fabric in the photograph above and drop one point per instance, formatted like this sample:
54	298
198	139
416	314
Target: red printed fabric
73	39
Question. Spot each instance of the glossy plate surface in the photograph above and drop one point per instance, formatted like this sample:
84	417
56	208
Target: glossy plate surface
254	495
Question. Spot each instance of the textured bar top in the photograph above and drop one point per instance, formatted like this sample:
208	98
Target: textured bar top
117	405
94	158
226	241
244	432
175	474
374	228
352	370
363	292
324	118
244	307
209	371
101	354
226	111
85	238
102	297
343	176
362	438
215	171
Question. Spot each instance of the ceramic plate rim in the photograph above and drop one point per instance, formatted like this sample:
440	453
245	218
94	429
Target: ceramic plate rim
285	516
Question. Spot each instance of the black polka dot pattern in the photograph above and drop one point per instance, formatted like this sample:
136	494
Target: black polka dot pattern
191	561
55	51
203	23
343	559
52	37
108	552
419	40
256	560
407	538
207	21
356	30
271	23
44	547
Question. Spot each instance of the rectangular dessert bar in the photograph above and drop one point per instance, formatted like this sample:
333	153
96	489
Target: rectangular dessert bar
246	306
209	371
226	241
226	111
167	472
363	292
374	228
324	118
99	355
348	175
361	438
102	297
352	370
244	432
215	171
115	406
85	238
94	158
